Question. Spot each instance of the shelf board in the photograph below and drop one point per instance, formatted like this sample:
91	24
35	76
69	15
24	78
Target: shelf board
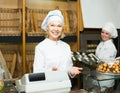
30	39
10	39
70	39
15	19
5	26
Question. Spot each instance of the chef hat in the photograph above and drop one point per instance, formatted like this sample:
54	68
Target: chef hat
54	15
110	28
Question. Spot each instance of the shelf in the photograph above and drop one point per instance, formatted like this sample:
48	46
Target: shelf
10	19
9	26
33	39
70	39
10	33
10	39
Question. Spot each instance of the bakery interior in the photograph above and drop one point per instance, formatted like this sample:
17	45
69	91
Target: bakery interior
20	32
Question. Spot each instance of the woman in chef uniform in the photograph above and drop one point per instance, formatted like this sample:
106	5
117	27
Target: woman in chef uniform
52	54
106	50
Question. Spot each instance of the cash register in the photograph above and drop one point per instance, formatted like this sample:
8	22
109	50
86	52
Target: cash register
46	82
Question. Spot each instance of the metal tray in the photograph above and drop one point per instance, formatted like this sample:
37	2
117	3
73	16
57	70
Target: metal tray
109	73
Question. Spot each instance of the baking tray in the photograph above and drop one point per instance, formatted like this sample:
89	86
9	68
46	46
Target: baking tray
108	73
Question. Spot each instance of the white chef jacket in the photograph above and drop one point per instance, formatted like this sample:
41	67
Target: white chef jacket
106	51
50	54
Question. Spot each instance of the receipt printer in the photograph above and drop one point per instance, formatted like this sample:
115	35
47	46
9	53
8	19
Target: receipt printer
46	82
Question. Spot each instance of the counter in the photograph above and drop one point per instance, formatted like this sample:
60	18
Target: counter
92	80
10	88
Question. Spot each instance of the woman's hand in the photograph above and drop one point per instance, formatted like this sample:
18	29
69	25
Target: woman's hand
54	68
75	70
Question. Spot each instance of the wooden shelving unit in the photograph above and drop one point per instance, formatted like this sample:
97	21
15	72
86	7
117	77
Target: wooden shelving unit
10	35
10	21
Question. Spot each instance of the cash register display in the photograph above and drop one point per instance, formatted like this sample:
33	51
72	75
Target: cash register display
36	77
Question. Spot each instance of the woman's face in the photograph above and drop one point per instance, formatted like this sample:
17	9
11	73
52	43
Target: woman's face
105	35
54	29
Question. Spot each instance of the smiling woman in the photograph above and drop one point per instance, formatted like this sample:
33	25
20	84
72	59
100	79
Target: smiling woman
52	54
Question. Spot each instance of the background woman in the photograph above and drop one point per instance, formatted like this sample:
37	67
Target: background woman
106	50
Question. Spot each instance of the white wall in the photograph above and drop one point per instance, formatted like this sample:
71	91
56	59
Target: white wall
97	12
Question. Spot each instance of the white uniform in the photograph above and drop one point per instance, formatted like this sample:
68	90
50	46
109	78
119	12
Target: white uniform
50	54
106	51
